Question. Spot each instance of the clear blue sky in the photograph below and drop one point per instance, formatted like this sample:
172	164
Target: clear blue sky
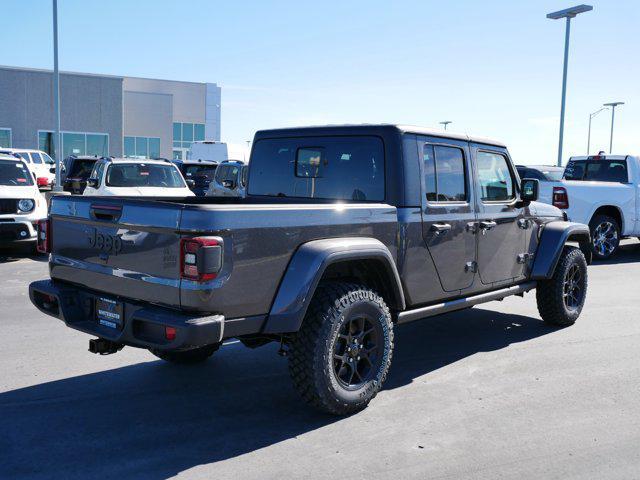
492	67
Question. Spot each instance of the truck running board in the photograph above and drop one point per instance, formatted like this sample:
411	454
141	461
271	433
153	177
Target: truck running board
461	303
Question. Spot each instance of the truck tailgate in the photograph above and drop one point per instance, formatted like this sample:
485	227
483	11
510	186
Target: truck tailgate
123	247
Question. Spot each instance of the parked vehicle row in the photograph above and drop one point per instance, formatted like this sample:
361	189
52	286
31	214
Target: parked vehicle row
40	164
345	232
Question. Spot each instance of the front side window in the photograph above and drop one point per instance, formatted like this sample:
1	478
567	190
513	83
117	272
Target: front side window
332	168
144	175
47	159
14	174
81	169
494	177
444	173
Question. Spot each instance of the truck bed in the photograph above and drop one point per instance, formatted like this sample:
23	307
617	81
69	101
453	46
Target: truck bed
259	237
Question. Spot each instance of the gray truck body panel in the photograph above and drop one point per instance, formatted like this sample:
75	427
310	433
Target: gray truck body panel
275	250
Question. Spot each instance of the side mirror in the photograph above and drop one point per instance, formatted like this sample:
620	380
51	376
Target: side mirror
230	184
52	170
190	182
529	190
92	182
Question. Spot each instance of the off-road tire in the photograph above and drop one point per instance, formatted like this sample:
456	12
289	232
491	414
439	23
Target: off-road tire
593	225
550	294
187	357
337	306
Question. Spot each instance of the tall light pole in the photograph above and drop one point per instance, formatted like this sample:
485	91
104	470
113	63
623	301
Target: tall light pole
567	13
56	98
613	106
591	115
445	123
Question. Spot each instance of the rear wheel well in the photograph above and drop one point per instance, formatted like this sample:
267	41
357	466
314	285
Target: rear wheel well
609	211
372	273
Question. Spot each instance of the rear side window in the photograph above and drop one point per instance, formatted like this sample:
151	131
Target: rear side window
335	168
444	174
494	177
25	156
597	170
36	158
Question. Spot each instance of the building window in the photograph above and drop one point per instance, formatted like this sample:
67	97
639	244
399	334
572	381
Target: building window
76	143
184	134
142	147
5	137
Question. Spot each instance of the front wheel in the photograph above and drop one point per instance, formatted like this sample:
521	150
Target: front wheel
340	357
187	357
605	236
561	298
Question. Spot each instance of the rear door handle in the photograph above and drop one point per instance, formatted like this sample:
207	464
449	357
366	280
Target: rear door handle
440	228
484	226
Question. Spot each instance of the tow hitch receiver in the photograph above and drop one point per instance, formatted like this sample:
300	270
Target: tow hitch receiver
103	346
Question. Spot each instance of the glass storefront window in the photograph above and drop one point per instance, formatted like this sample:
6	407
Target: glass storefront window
129	146
142	149
5	137
177	132
73	144
187	132
45	142
154	148
198	132
97	145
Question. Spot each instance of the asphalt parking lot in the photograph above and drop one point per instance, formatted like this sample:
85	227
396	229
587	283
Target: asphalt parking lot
487	393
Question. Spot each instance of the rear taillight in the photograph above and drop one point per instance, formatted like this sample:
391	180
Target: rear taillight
42	181
44	236
560	198
200	258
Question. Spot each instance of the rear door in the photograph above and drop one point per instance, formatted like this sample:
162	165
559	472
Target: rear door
501	218
448	212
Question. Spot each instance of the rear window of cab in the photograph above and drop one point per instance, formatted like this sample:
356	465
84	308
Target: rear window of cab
332	168
597	170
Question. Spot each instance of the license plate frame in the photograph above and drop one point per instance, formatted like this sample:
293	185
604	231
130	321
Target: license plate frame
109	313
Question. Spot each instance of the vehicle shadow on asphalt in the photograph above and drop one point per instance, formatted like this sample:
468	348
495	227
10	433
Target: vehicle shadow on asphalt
14	254
155	420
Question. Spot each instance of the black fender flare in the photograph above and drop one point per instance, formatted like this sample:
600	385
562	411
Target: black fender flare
306	268
552	240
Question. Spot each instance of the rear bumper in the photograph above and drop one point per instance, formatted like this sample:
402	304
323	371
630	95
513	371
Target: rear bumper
144	325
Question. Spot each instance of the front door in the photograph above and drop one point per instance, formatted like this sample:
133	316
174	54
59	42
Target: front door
448	213
501	221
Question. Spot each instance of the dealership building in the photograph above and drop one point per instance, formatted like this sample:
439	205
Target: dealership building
107	115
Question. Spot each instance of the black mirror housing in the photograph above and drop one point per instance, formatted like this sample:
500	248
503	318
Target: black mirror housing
529	188
92	182
52	170
190	183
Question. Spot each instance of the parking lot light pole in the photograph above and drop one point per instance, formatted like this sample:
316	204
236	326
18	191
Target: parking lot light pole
56	99
613	106
591	115
567	13
445	123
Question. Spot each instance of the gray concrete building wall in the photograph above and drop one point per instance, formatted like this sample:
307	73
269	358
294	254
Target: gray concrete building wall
150	115
213	109
89	104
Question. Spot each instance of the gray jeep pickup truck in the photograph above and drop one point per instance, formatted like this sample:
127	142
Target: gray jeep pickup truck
345	232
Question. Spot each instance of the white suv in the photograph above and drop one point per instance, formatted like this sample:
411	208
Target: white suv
127	178
21	203
41	164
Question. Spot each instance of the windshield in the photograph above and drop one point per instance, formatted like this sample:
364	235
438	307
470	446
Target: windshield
144	175
81	169
191	171
14	174
553	175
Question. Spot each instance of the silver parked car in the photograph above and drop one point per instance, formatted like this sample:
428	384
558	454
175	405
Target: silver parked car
230	180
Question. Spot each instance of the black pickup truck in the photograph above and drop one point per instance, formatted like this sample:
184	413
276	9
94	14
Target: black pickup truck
346	231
